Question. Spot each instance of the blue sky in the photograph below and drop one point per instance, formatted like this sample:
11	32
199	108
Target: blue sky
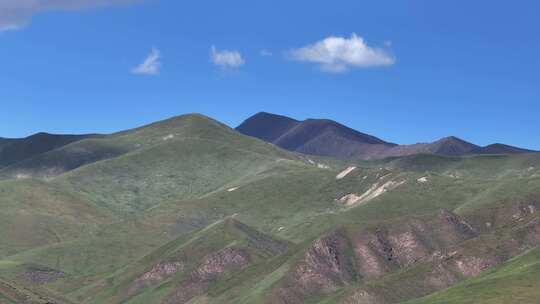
415	71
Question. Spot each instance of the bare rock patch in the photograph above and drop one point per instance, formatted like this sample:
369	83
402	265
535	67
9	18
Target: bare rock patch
345	172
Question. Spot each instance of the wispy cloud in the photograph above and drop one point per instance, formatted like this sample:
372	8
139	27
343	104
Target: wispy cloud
16	14
265	53
226	58
339	54
150	66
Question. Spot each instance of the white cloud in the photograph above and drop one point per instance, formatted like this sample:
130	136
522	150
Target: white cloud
338	54
15	14
226	58
150	66
265	53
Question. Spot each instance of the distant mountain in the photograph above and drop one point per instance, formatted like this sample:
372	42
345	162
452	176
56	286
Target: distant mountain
89	149
500	149
329	138
15	150
448	146
313	136
266	126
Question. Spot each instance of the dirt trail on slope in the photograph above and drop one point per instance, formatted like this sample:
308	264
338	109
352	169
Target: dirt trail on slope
375	191
345	172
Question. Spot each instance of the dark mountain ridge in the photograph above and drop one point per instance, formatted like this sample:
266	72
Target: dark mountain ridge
500	149
14	150
266	126
447	146
322	137
329	138
313	136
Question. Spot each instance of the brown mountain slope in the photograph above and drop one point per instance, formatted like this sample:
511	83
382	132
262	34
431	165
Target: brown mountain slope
313	136
448	146
328	138
403	260
500	149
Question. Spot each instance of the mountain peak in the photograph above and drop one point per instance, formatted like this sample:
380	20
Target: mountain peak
452	146
196	116
453	138
40	134
327	137
499	148
311	136
269	115
177	124
267	126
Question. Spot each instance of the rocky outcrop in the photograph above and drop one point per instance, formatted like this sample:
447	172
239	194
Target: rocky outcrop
504	212
42	275
225	260
187	269
156	275
450	265
359	255
373	192
324	267
210	269
161	270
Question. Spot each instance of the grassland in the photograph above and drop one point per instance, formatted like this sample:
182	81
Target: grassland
105	211
516	281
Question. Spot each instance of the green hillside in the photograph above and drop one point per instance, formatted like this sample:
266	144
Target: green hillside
185	157
187	210
17	150
35	213
516	281
226	250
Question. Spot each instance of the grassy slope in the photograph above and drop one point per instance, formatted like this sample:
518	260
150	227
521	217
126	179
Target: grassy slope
181	158
299	204
205	153
266	202
200	157
185	128
35	213
190	250
66	158
483	166
165	186
516	281
416	281
301	201
13	293
402	202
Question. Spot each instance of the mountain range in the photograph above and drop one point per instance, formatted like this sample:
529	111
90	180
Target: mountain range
188	210
19	149
329	138
320	137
